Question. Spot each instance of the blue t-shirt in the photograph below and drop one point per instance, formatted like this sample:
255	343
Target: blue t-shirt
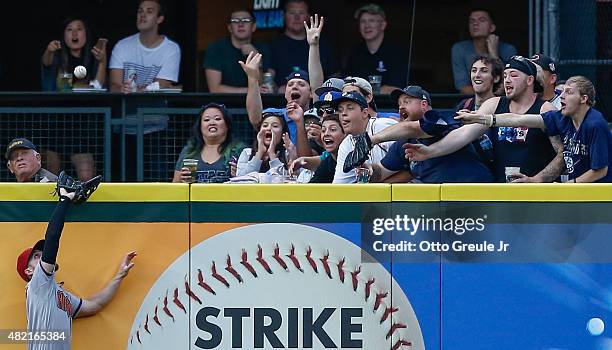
461	166
589	147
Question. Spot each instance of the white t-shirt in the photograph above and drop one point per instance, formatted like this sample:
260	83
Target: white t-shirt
377	153
161	62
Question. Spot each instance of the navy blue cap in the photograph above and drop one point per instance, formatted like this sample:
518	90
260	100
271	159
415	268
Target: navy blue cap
412	90
326	99
545	62
350	96
524	65
298	74
19	142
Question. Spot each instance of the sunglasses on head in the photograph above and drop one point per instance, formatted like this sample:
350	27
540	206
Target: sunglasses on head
325	110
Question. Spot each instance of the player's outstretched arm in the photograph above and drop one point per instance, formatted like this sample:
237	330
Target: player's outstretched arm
97	302
54	231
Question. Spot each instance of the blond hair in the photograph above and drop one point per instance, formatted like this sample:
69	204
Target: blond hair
585	87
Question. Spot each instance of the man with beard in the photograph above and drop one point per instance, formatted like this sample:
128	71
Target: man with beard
298	95
425	126
586	138
539	157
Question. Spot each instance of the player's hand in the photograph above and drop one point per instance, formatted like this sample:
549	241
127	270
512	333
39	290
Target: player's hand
313	32
126	265
295	112
54	46
417	152
251	65
492	45
64	193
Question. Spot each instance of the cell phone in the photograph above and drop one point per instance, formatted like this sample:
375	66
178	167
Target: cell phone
101	43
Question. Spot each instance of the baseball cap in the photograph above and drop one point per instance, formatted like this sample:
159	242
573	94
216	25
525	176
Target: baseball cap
311	113
326	99
372	9
545	62
359	82
331	84
412	90
350	96
298	74
24	258
524	65
19	142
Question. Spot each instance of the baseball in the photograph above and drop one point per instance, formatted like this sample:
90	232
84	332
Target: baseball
80	72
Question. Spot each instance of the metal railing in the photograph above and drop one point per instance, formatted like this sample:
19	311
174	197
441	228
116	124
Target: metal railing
73	139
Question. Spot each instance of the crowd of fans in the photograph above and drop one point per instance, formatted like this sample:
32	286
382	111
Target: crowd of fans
521	123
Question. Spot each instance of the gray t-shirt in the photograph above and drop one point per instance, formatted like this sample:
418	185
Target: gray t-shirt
50	308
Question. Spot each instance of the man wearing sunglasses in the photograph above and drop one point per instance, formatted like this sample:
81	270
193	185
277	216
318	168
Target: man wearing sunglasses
223	73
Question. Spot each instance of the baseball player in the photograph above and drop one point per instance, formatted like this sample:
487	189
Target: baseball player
49	307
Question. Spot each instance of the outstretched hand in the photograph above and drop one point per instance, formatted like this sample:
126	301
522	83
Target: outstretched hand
417	152
313	32
251	65
469	117
126	264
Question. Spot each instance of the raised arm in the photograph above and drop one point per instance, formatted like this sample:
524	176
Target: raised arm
315	69
54	232
254	105
97	302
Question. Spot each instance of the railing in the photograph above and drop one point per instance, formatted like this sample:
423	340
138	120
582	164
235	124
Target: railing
110	126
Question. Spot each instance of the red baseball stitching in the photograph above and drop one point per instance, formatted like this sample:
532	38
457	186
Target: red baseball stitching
380	297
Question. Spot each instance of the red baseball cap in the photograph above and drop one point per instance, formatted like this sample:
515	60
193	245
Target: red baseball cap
24	258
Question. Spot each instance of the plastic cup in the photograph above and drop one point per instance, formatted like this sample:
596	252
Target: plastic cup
362	174
192	165
511	172
375	81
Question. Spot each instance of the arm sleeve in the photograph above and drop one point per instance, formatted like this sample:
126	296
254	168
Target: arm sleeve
170	65
460	73
212	59
245	165
394	160
117	57
599	147
550	122
54	231
340	177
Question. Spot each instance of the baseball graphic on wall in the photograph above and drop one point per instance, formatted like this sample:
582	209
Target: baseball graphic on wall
275	286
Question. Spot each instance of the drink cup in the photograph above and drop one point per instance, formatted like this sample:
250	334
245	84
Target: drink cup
362	174
192	165
375	81
511	172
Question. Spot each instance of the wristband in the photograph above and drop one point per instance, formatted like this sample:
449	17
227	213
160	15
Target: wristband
493	120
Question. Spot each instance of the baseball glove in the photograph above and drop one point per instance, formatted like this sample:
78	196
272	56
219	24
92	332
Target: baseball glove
360	152
82	190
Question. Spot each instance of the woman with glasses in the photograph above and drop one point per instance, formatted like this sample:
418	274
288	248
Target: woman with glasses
272	148
211	145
